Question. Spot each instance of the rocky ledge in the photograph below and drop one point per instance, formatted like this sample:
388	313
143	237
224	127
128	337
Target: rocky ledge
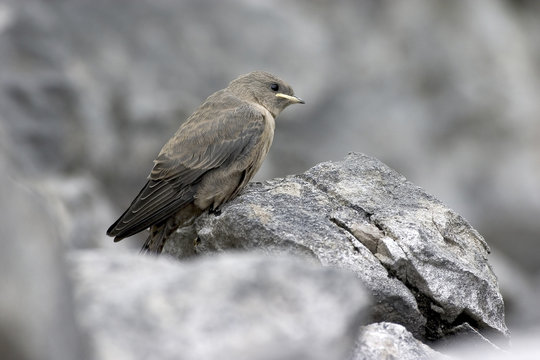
425	266
401	275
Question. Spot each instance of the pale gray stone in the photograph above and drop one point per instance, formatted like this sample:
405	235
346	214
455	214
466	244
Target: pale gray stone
425	265
231	306
387	341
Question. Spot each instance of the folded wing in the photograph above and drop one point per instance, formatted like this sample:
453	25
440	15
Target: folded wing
220	133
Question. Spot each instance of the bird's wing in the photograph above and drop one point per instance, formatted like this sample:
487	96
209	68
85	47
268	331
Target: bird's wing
209	139
156	202
218	133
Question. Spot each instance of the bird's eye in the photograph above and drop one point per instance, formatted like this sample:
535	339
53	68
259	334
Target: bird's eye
274	87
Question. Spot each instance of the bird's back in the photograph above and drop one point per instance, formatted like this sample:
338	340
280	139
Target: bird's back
211	157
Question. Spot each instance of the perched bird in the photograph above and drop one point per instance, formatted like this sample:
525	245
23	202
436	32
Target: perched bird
211	157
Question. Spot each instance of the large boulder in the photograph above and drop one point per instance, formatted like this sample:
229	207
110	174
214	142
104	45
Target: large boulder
232	306
425	265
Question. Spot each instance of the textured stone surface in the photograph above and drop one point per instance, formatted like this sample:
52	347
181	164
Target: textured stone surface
97	86
425	265
92	89
232	306
391	341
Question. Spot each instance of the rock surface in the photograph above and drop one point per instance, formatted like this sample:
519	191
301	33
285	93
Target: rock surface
37	318
232	306
391	341
425	265
98	86
90	90
357	215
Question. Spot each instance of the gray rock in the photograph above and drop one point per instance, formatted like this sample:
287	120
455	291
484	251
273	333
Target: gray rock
80	209
101	85
37	320
425	265
233	306
386	341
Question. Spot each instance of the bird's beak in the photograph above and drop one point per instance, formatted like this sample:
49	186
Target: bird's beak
292	99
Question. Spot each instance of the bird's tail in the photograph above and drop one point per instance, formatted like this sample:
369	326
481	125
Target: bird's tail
155	241
159	233
158	236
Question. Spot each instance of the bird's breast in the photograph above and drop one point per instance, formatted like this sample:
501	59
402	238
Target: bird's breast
266	138
224	183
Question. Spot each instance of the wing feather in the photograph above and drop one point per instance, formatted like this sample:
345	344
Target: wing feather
222	131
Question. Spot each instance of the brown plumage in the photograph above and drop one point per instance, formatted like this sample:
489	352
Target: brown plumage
211	157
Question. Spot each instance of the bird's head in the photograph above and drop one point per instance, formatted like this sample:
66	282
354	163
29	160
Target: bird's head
265	89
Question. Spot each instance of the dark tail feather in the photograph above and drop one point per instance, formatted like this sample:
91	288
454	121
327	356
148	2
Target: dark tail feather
158	236
156	240
155	203
160	233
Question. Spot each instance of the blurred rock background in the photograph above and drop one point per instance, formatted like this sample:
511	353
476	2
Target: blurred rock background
445	92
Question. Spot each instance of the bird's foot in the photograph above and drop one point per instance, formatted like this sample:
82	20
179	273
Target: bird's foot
215	212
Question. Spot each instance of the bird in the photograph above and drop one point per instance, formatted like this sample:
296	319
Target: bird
209	160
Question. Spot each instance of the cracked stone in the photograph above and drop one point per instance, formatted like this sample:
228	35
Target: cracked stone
392	257
367	233
410	250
